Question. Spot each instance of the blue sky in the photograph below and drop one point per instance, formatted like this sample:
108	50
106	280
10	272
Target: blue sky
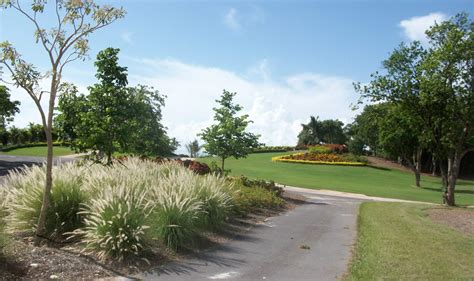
286	59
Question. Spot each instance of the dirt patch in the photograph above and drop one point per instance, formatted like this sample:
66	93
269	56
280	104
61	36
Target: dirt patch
22	260
459	219
387	164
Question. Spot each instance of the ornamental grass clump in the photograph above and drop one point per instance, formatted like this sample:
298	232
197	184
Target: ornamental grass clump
25	198
175	219
216	195
116	223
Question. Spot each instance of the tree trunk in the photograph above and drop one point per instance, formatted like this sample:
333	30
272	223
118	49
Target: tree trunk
444	173
48	127
433	161
222	164
419	154
452	177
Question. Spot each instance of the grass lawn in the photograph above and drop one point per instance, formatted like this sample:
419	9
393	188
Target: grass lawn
39	151
399	242
365	180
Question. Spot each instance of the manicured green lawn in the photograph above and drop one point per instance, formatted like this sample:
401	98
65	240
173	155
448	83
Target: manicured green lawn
399	242
364	180
39	151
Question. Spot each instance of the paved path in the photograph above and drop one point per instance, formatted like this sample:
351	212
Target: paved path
9	162
273	250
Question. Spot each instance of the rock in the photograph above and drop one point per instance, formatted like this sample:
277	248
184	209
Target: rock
53	277
34	265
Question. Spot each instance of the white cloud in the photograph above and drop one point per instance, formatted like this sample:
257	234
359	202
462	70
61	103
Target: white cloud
277	107
414	28
127	37
230	19
237	20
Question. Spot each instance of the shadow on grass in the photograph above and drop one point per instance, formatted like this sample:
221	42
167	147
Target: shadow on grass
379	168
463	191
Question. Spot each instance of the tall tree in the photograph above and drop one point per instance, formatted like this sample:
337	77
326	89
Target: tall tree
326	131
399	137
193	148
228	138
448	88
113	117
104	127
8	109
436	88
64	43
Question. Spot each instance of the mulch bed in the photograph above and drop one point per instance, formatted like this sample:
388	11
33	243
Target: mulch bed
23	261
459	219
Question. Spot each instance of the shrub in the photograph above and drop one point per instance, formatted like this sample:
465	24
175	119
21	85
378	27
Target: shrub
265	149
215	193
26	192
247	199
197	167
116	223
328	148
268	185
178	208
319	149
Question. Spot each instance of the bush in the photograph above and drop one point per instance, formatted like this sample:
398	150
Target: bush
216	195
116	223
26	195
175	219
265	149
197	167
268	185
250	195
250	198
319	149
328	148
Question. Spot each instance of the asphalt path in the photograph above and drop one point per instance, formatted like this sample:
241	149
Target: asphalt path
311	242
9	162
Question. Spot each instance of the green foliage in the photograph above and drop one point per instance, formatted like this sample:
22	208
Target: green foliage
365	130
265	149
326	131
8	108
26	195
434	90
319	149
250	199
228	138
113	117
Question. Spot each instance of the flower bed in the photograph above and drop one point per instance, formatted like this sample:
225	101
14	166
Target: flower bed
318	158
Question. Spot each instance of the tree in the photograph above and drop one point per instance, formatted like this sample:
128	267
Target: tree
147	136
104	126
8	109
364	131
326	131
193	148
399	137
63	44
228	138
435	87
448	89
113	117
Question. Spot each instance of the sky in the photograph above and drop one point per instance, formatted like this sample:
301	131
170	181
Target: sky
287	60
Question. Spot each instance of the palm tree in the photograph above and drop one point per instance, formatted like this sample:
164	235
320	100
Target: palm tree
193	148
